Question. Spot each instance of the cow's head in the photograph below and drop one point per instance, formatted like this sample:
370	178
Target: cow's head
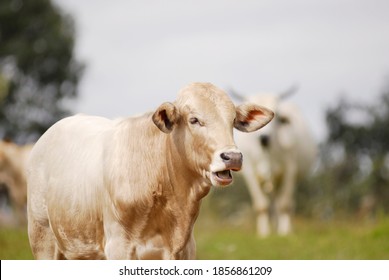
201	123
278	134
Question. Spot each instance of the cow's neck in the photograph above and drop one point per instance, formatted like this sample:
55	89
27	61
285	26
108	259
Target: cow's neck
184	189
187	184
170	198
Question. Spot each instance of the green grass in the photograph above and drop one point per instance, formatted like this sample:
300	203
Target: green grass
14	244
218	239
311	240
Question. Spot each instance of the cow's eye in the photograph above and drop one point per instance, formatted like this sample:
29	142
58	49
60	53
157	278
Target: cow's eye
283	120
195	121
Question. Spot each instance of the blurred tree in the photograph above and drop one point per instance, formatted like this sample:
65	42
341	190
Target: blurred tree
361	131
366	137
38	71
354	173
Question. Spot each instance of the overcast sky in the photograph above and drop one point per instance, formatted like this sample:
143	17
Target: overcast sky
140	53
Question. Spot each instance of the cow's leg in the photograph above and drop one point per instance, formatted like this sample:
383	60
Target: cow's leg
115	250
259	199
42	240
18	202
263	223
117	245
58	254
189	252
284	226
284	201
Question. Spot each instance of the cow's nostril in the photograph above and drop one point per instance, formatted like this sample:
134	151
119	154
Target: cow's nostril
231	157
225	156
232	160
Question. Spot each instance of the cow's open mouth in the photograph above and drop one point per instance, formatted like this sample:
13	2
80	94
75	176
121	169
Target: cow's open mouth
223	178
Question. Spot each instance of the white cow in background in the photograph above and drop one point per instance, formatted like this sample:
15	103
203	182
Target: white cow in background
276	157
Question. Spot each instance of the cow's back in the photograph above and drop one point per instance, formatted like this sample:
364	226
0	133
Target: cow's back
56	192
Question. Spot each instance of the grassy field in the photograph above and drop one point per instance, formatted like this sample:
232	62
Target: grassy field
219	240
311	240
14	245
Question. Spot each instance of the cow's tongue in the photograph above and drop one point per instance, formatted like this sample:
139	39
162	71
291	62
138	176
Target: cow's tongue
226	174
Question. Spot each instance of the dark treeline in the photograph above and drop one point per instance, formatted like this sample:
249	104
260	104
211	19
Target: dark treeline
38	71
354	174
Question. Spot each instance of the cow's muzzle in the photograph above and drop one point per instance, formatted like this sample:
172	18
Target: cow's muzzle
232	162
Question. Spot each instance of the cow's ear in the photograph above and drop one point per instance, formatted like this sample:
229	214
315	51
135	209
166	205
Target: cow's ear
165	117
251	117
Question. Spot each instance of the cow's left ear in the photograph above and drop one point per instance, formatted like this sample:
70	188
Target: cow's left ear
165	117
251	117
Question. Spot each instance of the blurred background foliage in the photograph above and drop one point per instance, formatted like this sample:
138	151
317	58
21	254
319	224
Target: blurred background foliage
38	69
353	177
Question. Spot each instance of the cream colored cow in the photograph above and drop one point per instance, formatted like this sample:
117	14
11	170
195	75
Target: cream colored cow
131	188
13	160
